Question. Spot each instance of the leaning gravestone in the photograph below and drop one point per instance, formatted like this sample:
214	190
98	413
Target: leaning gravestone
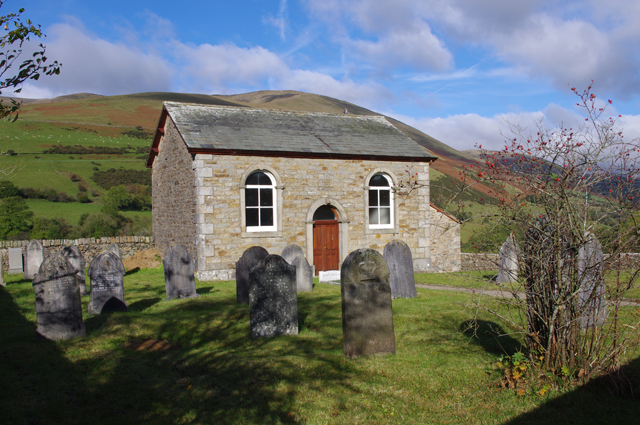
75	258
401	279
290	252
106	274
33	257
179	281
591	296
58	305
508	267
15	261
250	258
115	249
367	317
304	275
273	301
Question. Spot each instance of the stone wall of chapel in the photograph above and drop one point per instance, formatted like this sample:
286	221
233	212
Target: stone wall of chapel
174	195
445	243
221	241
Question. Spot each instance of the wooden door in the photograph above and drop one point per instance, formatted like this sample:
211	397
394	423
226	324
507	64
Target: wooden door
326	251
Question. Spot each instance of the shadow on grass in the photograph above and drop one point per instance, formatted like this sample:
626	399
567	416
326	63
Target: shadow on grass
205	290
132	271
490	336
143	304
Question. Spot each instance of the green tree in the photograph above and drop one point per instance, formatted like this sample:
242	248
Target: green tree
15	217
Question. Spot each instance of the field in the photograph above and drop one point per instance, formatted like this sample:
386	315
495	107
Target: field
192	361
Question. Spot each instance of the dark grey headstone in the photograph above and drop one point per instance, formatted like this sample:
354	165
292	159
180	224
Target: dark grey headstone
75	258
290	252
58	305
106	274
250	258
15	261
115	249
33	257
401	279
592	294
273	301
304	274
509	267
179	281
367	317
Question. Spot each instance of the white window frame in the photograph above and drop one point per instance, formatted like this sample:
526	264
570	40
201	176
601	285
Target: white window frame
274	198
391	207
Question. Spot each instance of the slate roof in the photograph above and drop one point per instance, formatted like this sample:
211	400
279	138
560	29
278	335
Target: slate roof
247	130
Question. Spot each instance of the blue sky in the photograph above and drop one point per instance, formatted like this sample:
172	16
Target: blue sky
456	69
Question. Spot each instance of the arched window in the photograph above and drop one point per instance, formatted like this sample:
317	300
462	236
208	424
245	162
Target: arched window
381	207
260	202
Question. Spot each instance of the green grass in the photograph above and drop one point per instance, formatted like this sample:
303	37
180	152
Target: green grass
215	374
71	211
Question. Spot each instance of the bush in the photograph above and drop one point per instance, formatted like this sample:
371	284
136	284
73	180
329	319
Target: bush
15	217
112	177
8	189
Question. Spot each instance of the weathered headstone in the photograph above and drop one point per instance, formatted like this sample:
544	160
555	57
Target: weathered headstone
508	267
58	305
77	261
329	276
367	317
273	301
400	262
250	258
179	281
304	275
592	293
115	249
290	252
33	257
1	273
15	261
106	274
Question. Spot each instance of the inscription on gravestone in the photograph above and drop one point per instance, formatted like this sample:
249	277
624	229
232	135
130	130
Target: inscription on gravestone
106	275
400	262
304	275
250	258
592	293
75	258
33	257
367	317
290	252
15	261
508	267
273	301
58	305
179	281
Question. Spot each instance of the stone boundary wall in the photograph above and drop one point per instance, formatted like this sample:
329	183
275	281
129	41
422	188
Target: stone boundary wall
481	262
89	247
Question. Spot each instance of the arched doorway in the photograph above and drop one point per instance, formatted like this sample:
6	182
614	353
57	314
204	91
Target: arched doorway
326	239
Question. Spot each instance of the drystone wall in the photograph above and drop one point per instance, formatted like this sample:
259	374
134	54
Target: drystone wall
481	261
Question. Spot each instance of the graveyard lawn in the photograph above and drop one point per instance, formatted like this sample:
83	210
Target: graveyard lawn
192	361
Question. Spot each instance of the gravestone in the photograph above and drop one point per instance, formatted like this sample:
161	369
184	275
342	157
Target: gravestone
250	258
304	275
508	267
179	281
367	317
1	273
58	305
33	257
401	279
15	261
75	258
329	276
115	249
106	275
592	293
290	252
273	301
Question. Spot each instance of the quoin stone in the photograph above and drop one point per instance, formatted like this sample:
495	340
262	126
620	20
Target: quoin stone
15	261
290	252
33	257
58	305
273	300
250	258
400	262
508	267
367	317
179	281
592	294
77	261
304	274
106	274
115	249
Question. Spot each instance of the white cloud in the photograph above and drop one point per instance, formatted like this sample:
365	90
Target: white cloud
280	20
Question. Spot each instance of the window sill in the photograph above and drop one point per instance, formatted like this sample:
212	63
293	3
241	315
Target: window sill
369	231
276	234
